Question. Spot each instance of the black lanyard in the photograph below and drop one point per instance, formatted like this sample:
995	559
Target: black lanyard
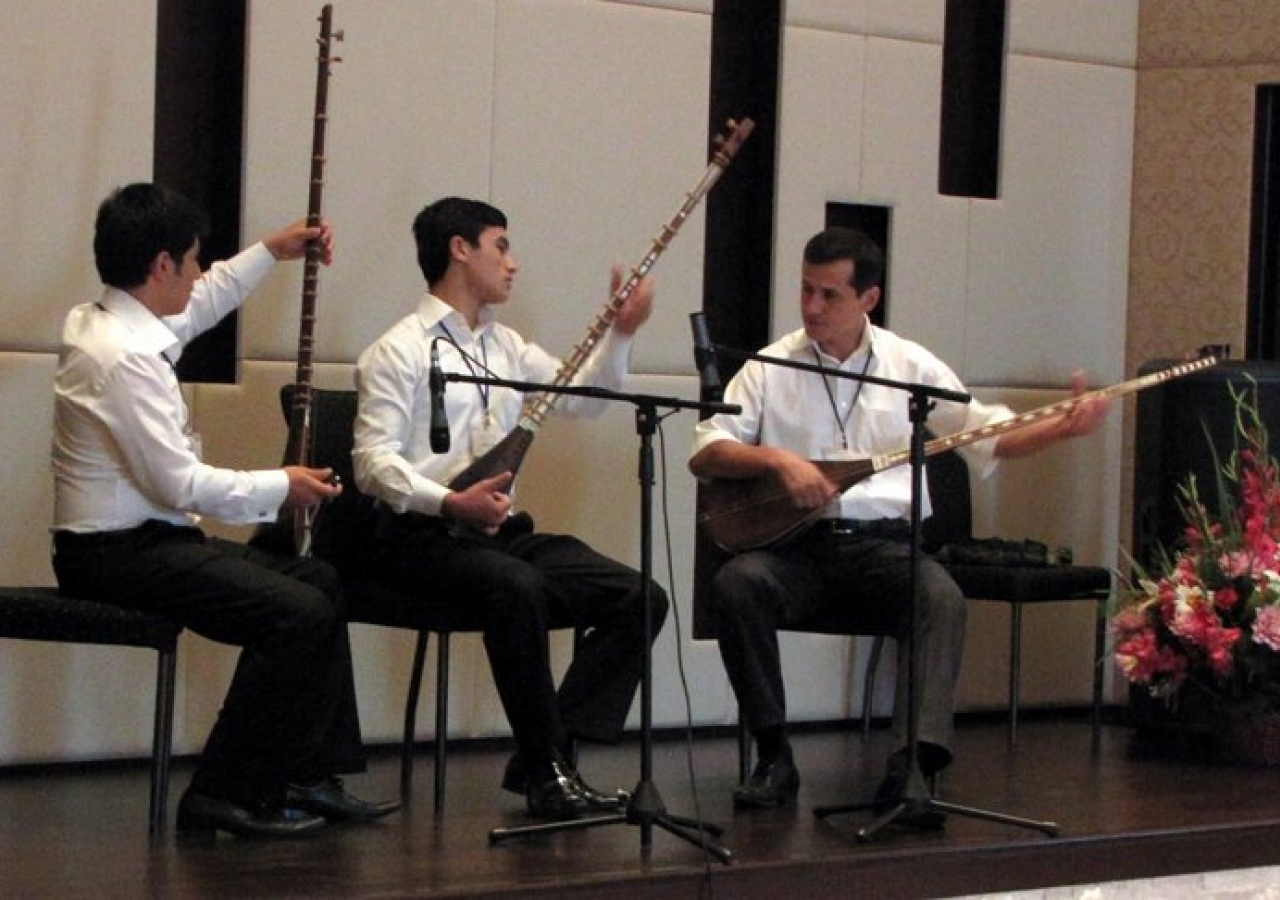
835	410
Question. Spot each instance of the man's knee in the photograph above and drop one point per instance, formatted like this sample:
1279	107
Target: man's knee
737	587
658	606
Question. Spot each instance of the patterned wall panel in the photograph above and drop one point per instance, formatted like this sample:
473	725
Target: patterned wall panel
1199	63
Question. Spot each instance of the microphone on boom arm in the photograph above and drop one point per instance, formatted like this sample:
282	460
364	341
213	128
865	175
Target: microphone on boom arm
439	417
704	357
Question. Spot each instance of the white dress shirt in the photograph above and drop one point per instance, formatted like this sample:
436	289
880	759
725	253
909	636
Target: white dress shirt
392	457
824	417
124	450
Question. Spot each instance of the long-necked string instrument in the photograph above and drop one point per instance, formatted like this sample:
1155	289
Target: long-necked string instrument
508	454
753	513
297	450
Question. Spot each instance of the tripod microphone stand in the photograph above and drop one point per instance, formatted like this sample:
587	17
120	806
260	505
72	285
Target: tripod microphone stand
916	798
645	808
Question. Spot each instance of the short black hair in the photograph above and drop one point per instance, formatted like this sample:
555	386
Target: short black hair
138	222
438	223
837	243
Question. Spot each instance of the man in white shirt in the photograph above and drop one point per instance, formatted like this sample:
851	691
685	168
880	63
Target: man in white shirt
463	546
857	555
130	487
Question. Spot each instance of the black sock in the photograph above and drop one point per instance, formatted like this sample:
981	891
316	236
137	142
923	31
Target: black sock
933	758
772	743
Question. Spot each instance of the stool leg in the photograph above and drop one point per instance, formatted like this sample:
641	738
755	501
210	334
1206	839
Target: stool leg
1015	669
744	751
442	716
869	684
162	738
411	717
1099	650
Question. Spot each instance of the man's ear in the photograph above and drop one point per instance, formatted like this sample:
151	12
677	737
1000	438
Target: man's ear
459	248
161	264
870	299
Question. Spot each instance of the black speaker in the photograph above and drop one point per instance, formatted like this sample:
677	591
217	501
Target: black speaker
1180	425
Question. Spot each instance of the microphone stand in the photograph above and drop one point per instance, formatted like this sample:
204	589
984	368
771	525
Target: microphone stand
916	797
645	808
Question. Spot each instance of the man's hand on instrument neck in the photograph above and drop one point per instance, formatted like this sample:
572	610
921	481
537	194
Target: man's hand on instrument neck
635	310
1082	419
309	487
484	506
291	241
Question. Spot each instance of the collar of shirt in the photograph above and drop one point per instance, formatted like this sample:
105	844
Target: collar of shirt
150	333
434	311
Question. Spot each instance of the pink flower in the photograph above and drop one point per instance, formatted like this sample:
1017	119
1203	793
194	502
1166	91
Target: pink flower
1266	627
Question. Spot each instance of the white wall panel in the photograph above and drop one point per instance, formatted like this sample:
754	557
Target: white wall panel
409	121
1102	31
1049	260
697	6
821	139
930	232
918	20
600	130
26	398
77	106
827	15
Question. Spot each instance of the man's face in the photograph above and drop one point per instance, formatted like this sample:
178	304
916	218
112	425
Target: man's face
491	269
833	311
176	278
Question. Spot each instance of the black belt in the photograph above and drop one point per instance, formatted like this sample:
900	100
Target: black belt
886	528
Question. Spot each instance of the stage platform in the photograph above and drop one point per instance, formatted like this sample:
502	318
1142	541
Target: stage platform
1123	815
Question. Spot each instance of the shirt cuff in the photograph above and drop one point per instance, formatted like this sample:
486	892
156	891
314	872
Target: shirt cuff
270	490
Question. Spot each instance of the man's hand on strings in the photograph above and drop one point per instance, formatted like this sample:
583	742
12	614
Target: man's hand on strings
484	506
806	484
635	310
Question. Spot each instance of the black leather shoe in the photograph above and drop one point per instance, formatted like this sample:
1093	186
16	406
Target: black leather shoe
203	814
515	778
330	800
771	785
553	794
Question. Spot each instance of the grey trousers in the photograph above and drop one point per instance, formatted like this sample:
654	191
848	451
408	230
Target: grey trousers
863	583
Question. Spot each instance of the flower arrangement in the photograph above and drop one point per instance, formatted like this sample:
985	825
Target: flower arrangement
1209	621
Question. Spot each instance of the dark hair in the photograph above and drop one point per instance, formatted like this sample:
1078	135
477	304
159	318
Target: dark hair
836	243
439	223
138	222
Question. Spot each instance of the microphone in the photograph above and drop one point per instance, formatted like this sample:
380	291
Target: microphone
704	357
439	418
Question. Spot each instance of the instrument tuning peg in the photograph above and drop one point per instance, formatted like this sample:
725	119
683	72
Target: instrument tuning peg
339	34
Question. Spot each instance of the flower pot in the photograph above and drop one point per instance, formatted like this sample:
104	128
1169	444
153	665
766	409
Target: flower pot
1251	738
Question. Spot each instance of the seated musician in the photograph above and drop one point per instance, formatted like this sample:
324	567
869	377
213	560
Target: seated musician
858	553
130	487
463	547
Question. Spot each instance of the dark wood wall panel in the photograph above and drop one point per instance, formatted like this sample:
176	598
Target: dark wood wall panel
199	138
972	95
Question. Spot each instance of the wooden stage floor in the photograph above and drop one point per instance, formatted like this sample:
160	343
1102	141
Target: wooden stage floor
1123	816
